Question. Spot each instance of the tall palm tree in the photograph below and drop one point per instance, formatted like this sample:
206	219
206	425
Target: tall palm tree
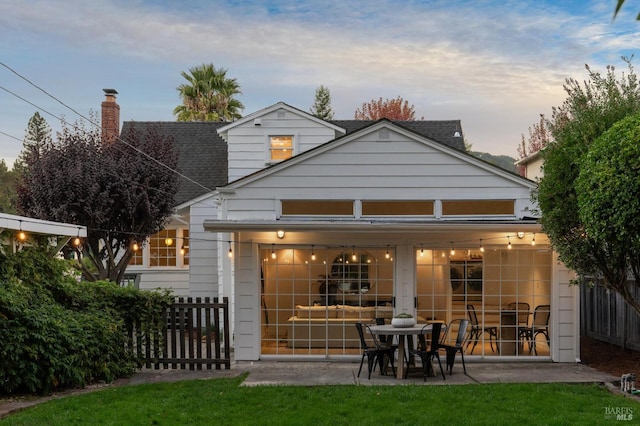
208	95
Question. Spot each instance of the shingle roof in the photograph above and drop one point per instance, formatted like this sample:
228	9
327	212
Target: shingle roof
204	158
442	131
203	154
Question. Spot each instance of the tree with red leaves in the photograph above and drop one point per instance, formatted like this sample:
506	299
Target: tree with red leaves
122	192
539	137
391	109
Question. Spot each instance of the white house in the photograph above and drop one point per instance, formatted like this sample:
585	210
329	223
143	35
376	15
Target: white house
322	224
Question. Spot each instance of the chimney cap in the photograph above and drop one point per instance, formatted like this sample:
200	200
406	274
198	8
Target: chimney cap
110	91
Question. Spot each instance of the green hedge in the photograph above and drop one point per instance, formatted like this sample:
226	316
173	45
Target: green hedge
57	332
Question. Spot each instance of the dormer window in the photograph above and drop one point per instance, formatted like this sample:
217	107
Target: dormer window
280	148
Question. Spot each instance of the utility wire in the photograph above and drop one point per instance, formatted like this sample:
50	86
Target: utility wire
95	124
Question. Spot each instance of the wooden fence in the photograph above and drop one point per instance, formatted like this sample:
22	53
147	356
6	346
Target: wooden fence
196	335
605	316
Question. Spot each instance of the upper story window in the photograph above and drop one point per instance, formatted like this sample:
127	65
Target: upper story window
280	148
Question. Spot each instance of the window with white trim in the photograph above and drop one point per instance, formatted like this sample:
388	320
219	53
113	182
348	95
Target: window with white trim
280	148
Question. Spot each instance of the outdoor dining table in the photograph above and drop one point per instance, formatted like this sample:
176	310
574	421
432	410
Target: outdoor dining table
402	332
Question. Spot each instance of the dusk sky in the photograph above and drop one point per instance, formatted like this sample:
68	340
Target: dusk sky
495	65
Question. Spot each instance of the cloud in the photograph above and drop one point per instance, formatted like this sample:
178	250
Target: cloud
479	61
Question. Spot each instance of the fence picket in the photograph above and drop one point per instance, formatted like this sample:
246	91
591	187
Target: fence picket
178	341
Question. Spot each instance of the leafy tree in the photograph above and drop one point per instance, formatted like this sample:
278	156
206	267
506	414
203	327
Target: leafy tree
208	95
588	111
539	137
38	133
392	109
607	187
8	196
116	190
322	105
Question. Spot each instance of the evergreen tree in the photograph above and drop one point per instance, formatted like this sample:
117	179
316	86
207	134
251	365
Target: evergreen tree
322	105
8	195
38	134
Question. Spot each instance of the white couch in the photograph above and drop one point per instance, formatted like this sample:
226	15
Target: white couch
333	326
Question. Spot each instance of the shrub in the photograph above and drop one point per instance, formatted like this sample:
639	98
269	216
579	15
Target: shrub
57	332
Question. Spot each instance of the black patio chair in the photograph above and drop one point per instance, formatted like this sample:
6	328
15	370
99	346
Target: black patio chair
374	353
427	354
523	311
476	330
457	346
384	340
539	325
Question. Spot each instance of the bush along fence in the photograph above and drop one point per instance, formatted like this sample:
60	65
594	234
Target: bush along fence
605	316
194	336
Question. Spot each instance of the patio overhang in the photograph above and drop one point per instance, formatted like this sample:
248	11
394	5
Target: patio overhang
38	226
371	226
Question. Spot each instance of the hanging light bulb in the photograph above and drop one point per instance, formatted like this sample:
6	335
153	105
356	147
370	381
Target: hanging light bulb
182	250
313	255
76	241
421	250
273	253
453	249
230	253
21	235
168	241
509	243
533	240
481	246
387	255
135	246
354	257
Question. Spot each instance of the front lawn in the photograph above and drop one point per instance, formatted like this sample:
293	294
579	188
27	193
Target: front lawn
224	401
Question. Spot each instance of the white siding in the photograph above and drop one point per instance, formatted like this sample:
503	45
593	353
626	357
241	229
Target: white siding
247	304
564	323
401	168
203	251
248	143
176	280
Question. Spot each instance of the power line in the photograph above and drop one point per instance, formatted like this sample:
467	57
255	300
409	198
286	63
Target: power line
10	136
93	123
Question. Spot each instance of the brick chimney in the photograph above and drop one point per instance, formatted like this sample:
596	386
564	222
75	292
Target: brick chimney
110	116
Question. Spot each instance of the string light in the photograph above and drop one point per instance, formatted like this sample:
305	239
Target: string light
533	240
230	251
387	255
273	253
168	241
182	250
508	243
313	255
76	241
135	246
21	235
481	246
421	250
453	249
353	254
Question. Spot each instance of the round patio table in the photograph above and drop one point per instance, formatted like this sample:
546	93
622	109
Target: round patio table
401	332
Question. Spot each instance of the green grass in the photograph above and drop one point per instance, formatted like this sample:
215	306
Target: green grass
225	402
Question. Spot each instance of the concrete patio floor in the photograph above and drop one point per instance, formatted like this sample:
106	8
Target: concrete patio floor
314	373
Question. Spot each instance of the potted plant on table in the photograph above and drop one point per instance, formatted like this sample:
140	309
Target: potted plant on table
403	320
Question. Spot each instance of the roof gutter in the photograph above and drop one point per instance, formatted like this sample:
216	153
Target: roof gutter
369	226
